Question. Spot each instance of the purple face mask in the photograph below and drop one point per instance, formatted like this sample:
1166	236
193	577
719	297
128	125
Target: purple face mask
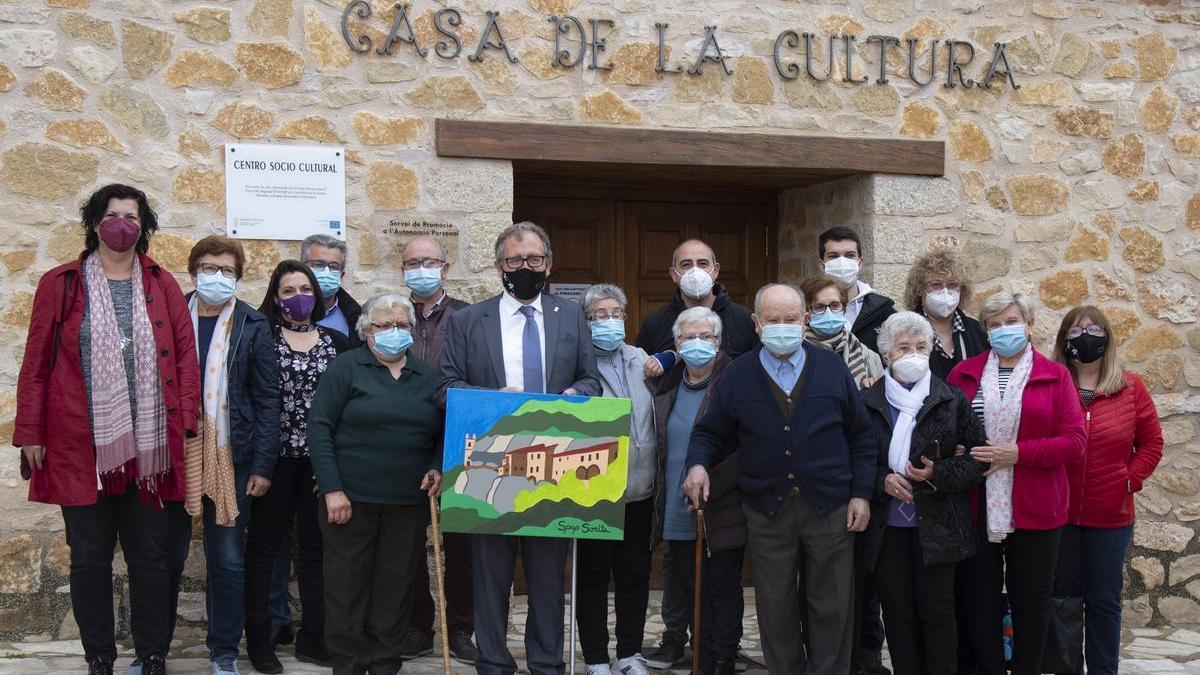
298	307
119	234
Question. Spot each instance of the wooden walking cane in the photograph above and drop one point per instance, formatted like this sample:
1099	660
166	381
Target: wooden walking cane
441	580
696	593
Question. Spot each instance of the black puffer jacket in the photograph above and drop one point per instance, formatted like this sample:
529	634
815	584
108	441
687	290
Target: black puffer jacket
944	524
724	522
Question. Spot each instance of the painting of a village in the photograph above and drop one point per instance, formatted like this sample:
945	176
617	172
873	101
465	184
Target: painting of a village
535	464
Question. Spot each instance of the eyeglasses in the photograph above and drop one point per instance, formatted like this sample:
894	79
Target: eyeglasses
534	262
380	327
935	286
427	263
685	265
605	315
227	272
315	265
835	306
698	336
1094	330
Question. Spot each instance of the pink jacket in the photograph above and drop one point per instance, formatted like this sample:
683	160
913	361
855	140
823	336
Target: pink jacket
1051	435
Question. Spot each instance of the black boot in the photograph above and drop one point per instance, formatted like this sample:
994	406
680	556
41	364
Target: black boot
99	666
261	653
154	665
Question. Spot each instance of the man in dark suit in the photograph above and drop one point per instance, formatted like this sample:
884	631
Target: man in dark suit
520	340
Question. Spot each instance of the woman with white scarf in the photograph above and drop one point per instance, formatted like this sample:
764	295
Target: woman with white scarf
920	523
1030	410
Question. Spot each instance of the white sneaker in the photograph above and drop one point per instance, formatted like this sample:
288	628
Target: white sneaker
631	665
599	669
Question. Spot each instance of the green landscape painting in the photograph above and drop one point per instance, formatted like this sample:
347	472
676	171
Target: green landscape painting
535	465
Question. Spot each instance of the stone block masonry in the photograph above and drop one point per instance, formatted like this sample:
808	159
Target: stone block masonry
1081	186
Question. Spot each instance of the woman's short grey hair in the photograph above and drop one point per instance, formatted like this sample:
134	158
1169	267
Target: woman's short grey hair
519	230
328	241
381	302
902	323
697	315
598	292
1001	301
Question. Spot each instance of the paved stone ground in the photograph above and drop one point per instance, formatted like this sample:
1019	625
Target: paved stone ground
1146	651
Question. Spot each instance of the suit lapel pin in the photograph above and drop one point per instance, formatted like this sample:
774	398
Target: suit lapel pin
555	309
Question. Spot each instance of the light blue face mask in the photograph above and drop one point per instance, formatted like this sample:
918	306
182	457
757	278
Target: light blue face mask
698	353
828	323
393	342
782	339
215	289
608	334
423	282
329	281
1008	340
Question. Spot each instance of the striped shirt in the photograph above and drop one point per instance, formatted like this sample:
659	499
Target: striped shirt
977	403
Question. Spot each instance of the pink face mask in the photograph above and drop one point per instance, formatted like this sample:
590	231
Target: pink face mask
119	234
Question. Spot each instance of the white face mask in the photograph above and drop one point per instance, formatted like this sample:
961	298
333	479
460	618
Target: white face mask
941	303
845	270
910	368
696	283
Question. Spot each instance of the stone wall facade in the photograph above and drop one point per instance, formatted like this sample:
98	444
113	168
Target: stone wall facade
1081	186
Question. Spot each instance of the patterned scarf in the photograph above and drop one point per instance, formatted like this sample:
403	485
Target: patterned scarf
123	434
1002	420
209	457
846	344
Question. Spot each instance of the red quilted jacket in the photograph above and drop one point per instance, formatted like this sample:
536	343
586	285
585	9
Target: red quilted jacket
52	406
1124	444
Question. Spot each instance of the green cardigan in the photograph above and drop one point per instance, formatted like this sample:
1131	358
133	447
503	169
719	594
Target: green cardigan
374	436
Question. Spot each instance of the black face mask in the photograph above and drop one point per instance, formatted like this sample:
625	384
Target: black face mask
1086	348
524	284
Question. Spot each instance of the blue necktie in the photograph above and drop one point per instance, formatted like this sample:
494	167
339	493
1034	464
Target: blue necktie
531	353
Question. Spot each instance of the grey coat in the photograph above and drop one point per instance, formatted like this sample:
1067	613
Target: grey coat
643	461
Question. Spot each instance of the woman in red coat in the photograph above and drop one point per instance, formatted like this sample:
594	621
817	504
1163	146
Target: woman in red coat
108	388
1124	445
1030	411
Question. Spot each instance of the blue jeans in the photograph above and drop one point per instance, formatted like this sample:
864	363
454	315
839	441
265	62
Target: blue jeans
225	555
1089	566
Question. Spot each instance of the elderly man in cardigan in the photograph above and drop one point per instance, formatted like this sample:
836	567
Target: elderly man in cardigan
806	447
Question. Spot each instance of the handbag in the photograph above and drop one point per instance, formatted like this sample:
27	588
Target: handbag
1064	639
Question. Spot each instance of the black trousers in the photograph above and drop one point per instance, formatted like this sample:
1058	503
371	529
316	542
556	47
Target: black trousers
918	606
92	533
369	565
1023	564
460	605
291	496
627	563
721	602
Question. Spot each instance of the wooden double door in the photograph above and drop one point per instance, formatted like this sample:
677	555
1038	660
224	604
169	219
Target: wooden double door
627	238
